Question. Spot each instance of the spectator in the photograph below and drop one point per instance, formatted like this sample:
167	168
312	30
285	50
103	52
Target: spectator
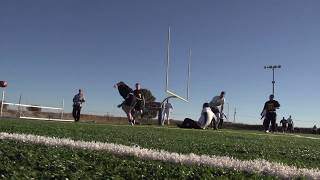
314	129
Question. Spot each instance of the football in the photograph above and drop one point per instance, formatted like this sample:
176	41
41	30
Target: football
3	84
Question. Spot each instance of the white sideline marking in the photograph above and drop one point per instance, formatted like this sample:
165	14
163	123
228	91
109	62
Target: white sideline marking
259	166
47	119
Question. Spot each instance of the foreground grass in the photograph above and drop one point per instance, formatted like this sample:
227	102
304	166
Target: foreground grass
300	152
25	161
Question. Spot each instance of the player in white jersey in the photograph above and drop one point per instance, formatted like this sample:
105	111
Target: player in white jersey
290	124
205	119
166	112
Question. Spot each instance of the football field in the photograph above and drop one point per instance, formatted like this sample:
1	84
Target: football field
44	150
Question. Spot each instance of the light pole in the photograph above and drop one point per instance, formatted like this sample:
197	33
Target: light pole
273	68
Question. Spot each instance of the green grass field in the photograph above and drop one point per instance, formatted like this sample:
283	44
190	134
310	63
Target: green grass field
23	160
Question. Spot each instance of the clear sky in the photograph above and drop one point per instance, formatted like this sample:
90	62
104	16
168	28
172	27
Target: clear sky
49	49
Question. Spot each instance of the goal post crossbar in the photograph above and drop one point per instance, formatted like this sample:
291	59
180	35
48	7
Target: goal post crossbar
177	96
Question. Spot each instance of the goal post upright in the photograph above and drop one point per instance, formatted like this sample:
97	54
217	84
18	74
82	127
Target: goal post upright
189	72
168	59
170	93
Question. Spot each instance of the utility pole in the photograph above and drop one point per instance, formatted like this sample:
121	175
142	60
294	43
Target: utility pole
234	115
19	107
273	68
228	111
2	101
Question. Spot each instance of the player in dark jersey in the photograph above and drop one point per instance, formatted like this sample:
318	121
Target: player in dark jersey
129	100
271	115
123	89
140	99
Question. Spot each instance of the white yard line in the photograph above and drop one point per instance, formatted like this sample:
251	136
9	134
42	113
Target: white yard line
270	134
307	137
258	166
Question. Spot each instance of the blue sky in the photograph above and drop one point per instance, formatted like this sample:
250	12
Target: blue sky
49	49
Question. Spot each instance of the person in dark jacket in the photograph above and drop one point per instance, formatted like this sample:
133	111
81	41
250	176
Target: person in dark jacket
78	101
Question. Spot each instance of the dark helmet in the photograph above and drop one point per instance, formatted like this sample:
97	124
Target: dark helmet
205	105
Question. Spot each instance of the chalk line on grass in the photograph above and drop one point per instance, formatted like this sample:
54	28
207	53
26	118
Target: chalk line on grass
259	166
271	134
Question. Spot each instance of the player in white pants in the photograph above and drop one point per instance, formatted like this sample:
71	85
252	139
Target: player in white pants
166	112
